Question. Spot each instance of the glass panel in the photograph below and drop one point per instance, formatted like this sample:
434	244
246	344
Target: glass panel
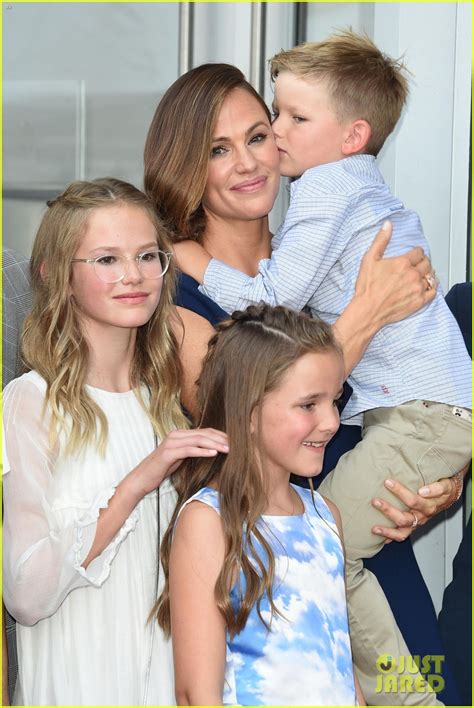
81	83
36	156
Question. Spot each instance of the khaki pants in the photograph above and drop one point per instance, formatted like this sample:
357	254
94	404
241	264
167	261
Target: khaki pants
416	443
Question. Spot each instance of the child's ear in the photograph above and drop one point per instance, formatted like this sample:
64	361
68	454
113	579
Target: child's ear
357	138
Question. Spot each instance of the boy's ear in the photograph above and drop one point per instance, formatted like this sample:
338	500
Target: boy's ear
357	138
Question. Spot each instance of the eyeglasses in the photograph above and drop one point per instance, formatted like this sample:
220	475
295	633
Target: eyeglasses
112	268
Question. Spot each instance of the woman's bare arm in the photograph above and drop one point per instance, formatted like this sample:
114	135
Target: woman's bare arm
193	333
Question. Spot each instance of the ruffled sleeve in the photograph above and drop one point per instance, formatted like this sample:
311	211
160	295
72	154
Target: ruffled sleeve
44	544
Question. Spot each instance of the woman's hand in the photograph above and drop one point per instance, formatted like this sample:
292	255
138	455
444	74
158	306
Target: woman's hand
176	447
396	286
421	506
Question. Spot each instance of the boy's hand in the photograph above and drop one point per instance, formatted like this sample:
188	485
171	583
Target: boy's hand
192	259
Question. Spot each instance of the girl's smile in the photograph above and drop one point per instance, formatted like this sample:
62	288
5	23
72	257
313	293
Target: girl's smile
300	416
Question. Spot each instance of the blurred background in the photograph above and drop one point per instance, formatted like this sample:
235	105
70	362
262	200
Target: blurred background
81	82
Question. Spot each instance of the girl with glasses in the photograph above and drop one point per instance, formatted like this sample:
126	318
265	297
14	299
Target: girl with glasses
91	431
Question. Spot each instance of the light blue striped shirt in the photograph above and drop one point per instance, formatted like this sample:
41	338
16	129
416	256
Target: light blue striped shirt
335	212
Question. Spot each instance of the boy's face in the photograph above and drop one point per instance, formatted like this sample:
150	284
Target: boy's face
306	128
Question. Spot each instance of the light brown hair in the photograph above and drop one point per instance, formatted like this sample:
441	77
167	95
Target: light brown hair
53	343
178	145
247	359
363	82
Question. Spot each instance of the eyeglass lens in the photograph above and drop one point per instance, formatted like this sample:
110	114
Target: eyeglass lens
111	269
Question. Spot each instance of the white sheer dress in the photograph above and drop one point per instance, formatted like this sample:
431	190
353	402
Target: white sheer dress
83	637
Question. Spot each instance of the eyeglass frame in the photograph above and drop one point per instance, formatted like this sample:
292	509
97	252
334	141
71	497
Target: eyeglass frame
137	258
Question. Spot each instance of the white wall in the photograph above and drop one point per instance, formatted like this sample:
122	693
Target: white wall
81	83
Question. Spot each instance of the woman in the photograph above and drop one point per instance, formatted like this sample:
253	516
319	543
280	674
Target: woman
200	172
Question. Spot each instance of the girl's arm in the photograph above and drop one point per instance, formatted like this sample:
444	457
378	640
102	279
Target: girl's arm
47	540
5	696
337	519
359	694
148	475
197	626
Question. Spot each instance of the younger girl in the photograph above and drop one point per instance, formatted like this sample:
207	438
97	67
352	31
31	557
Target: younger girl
254	596
81	514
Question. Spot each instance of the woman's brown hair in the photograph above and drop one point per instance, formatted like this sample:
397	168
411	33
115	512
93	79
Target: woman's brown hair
247	359
178	145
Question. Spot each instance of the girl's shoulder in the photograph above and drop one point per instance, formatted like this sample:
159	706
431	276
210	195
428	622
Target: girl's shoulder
30	386
207	496
315	504
199	518
30	378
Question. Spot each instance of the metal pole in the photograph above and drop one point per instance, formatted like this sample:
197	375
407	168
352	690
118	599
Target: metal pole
257	46
301	22
185	45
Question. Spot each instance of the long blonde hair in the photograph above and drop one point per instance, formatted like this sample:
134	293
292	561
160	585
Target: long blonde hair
247	359
53	343
178	145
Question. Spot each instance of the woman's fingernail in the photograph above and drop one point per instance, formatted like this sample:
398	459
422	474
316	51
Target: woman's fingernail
424	491
389	483
385	225
377	503
376	529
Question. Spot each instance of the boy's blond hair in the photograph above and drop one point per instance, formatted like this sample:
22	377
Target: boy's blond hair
363	82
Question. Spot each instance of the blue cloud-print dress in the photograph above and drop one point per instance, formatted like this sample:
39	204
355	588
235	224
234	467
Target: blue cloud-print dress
305	659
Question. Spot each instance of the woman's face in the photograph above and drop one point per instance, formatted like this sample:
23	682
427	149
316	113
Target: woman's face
244	166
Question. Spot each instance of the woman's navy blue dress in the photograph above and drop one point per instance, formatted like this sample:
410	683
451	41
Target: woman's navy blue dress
395	566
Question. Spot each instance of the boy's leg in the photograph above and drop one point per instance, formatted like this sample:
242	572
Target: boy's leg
416	443
439	443
384	666
374	632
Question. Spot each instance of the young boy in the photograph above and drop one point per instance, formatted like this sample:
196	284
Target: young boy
336	102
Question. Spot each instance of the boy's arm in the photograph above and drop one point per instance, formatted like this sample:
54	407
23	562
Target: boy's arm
312	238
197	626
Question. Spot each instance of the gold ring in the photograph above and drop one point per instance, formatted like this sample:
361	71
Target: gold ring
430	281
415	520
